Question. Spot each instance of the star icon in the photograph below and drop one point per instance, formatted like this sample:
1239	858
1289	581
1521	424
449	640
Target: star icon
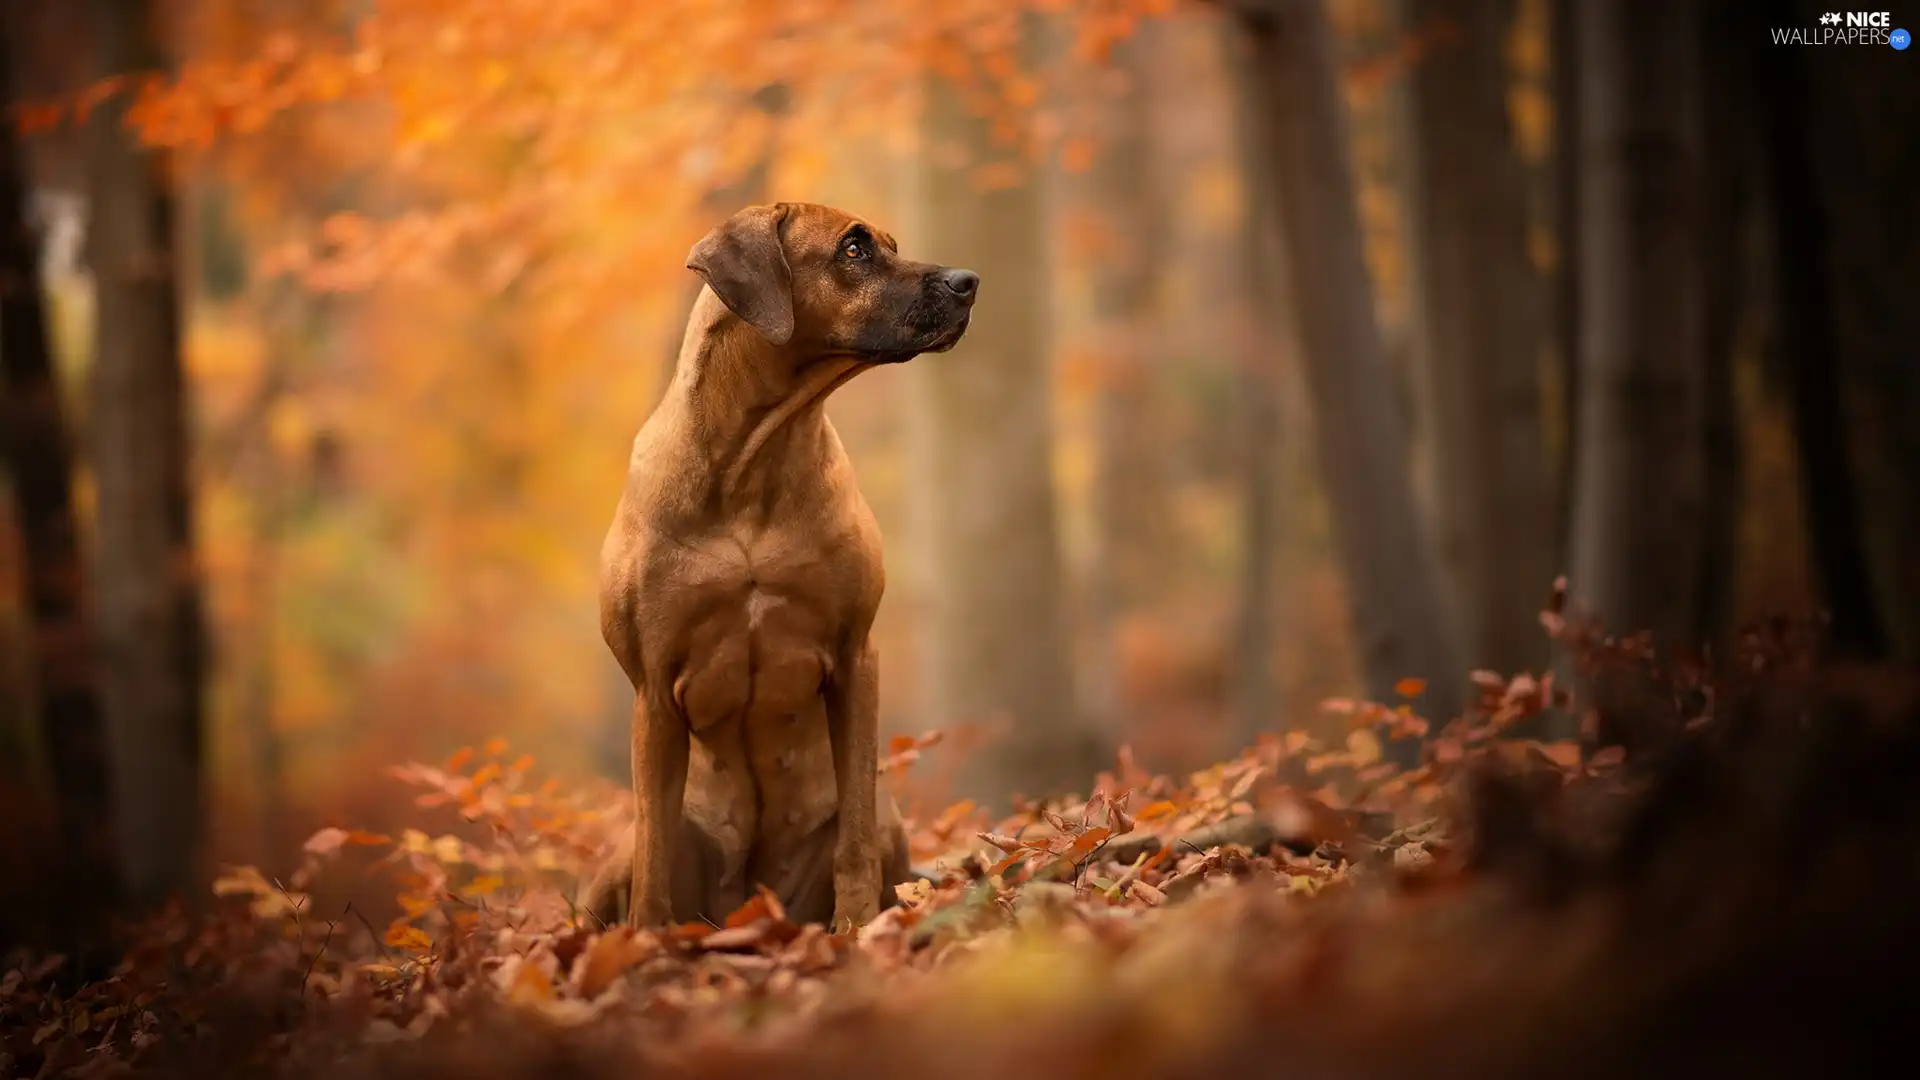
1831	18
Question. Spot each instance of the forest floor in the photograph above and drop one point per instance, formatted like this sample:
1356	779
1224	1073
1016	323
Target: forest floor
1717	879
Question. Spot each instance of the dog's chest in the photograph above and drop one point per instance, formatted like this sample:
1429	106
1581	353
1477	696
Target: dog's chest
760	616
761	619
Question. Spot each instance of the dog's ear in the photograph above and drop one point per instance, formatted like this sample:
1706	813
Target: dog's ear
745	266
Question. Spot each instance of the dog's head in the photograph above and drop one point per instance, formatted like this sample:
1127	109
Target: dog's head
824	282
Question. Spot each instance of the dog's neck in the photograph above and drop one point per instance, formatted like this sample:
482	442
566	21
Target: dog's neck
747	404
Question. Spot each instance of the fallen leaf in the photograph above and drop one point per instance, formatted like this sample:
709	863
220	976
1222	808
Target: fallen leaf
763	905
525	983
1155	810
484	885
1410	687
404	936
736	937
326	841
608	956
1364	745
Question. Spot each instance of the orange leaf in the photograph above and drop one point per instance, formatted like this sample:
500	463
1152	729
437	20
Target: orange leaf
1410	687
494	747
459	758
762	905
1365	747
608	956
483	885
402	936
530	984
1155	810
1084	845
326	841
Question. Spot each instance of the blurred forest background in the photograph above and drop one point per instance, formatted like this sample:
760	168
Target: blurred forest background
1315	340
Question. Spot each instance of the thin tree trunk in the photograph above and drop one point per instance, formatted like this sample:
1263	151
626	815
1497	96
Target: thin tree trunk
1485	314
1299	149
1565	78
1637	527
1841	169
1255	699
1268	326
1129	485
997	648
1724	201
38	454
149	614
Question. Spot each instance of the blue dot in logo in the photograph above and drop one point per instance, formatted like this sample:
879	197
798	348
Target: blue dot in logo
1900	39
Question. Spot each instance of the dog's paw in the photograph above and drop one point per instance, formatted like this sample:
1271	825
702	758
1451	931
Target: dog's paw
605	900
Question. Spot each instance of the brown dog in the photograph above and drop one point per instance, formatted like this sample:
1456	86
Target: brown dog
742	573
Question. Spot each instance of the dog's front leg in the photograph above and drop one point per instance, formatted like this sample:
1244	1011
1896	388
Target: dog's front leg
853	724
660	749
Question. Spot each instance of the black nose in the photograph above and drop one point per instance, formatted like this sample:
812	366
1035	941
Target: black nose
964	283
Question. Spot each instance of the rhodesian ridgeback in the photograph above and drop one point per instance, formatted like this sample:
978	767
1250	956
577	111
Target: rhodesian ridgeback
739	582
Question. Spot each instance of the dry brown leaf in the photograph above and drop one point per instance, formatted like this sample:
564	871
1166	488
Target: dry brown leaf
326	841
1146	894
608	956
736	937
1005	843
1364	745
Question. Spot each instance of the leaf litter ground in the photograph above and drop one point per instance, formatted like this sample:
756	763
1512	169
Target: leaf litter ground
1717	878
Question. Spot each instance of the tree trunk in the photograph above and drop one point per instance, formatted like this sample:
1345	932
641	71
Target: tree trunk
1130	489
38	454
1255	696
1484	309
1298	140
1268	326
1637	512
997	647
1842	196
1724	202
1565	79
150	632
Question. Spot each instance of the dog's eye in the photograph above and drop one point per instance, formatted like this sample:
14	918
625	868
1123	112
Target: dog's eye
854	249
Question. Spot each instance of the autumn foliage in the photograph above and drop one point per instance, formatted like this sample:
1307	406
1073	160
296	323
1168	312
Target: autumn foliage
1506	908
